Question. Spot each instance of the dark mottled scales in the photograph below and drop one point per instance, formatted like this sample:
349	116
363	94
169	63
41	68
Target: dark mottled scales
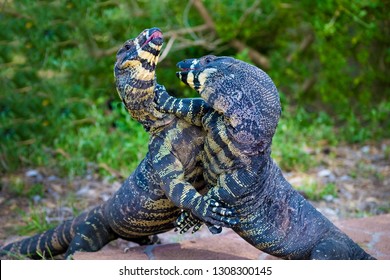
240	114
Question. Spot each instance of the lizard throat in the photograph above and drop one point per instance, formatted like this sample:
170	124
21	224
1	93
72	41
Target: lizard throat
140	105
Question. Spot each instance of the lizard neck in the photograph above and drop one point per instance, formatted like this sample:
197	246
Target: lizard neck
138	99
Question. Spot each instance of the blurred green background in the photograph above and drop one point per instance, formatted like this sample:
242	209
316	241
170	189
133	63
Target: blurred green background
59	108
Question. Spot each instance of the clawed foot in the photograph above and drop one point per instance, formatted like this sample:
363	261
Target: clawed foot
212	213
186	221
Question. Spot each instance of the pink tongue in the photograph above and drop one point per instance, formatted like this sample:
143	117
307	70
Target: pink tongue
155	34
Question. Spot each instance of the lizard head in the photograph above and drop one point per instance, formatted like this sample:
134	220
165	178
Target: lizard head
134	73
244	94
141	51
136	60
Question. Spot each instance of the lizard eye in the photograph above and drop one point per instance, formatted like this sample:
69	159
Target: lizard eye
208	59
127	46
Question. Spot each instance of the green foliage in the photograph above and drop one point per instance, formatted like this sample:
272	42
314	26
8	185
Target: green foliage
34	221
59	106
19	187
296	133
315	191
16	186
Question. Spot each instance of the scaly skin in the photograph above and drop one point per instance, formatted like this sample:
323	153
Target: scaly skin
240	115
140	208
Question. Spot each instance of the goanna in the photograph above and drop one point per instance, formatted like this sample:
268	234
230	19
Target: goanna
240	115
140	208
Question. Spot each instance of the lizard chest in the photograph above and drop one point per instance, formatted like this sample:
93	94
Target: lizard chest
220	153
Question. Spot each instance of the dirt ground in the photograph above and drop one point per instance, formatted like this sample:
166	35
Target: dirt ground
361	175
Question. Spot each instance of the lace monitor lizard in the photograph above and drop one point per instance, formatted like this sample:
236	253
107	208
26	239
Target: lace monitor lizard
141	207
240	113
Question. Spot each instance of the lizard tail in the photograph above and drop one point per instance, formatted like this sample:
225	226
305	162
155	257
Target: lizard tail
44	245
49	243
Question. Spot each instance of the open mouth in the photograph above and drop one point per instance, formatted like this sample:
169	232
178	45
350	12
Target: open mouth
185	69
188	65
155	37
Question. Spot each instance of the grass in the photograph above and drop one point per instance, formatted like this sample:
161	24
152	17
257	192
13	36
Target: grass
34	221
38	217
18	187
108	139
315	191
297	132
